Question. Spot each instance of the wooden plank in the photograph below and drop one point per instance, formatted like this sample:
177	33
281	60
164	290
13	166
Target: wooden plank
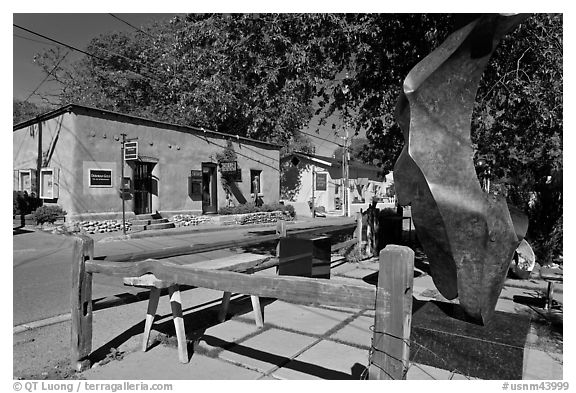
81	303
236	263
393	316
347	243
200	248
293	289
240	263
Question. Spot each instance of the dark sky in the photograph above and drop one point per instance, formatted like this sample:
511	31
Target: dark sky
72	29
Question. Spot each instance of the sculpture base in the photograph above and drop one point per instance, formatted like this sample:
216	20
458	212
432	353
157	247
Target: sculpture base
442	337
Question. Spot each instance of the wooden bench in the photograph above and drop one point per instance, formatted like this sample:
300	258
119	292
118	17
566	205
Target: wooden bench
238	263
551	276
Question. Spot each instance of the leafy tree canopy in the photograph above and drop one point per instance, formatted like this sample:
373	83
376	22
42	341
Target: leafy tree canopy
265	76
356	149
24	110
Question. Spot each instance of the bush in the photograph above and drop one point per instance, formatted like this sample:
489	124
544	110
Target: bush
48	214
252	208
23	204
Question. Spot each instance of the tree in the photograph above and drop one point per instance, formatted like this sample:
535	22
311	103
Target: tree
518	125
356	148
24	110
251	75
265	76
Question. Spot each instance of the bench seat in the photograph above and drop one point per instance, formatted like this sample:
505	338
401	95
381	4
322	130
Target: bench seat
245	262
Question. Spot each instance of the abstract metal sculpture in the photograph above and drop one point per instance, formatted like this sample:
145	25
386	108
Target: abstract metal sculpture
468	235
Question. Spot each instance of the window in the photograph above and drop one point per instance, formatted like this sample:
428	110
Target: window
49	183
25	180
255	182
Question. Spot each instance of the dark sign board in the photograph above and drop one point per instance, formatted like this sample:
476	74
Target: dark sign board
229	167
100	177
126	183
131	150
321	181
195	174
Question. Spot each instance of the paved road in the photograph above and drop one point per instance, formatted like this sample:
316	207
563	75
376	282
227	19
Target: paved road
42	277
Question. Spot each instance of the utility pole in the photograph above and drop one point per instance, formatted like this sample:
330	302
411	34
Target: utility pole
313	200
122	184
38	163
345	175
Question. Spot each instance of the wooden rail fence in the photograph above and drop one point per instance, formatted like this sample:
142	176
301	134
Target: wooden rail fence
391	298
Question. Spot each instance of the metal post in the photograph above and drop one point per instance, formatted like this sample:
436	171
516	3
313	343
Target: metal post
122	184
347	172
38	163
344	176
313	202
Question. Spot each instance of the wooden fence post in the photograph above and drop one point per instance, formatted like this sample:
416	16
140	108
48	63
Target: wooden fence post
393	315
81	303
359	231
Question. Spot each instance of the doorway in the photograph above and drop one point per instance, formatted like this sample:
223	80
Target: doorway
209	188
143	187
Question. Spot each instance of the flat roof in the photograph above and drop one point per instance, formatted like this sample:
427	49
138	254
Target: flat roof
87	109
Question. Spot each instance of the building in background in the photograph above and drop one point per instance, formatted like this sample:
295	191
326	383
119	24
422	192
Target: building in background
72	157
306	176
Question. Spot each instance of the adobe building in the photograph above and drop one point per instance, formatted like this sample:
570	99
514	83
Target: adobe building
307	176
73	157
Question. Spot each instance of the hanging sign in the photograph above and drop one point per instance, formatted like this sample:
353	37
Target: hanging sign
130	150
229	167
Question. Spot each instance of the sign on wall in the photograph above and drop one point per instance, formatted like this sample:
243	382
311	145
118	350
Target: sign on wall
100	177
130	150
321	181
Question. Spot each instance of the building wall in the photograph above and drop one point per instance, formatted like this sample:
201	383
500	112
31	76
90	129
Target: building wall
322	198
93	141
56	134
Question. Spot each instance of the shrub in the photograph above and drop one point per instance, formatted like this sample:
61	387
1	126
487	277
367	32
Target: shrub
252	208
48	214
22	203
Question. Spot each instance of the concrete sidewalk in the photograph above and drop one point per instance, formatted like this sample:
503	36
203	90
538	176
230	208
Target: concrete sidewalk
296	343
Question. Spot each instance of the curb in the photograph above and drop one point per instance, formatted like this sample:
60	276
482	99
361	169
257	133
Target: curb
197	229
172	232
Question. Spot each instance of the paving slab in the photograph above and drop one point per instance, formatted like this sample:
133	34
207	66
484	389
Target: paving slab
218	337
420	372
268	350
542	365
161	363
326	360
304	319
357	332
359	272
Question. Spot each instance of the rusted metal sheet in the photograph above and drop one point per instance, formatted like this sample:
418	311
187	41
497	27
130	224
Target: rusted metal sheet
468	235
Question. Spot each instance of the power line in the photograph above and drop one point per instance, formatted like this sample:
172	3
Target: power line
134	27
86	53
47	76
33	40
319	137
